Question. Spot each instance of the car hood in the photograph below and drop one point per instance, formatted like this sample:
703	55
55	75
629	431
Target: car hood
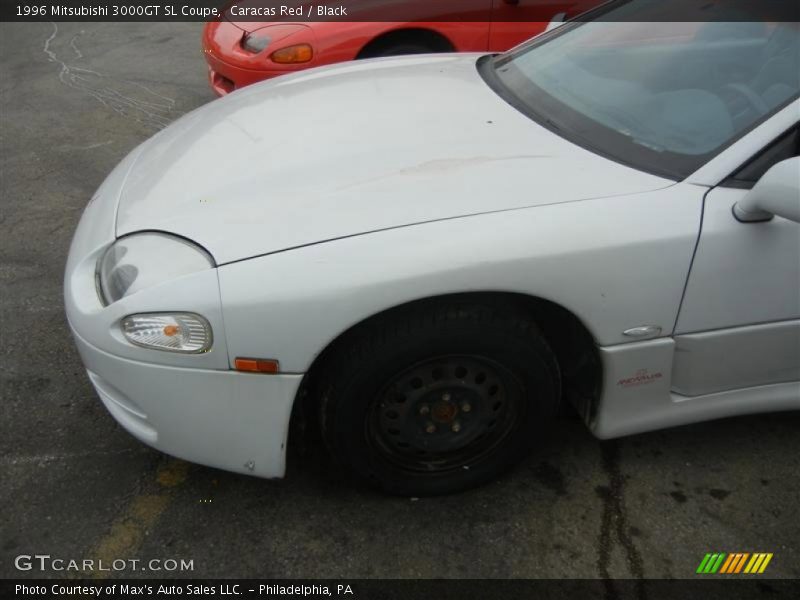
350	149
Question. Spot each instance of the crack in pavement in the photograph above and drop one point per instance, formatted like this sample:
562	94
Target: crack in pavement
154	109
615	520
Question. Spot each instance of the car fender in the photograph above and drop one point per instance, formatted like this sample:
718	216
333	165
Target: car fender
616	263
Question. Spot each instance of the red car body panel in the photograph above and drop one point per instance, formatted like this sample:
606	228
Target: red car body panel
231	66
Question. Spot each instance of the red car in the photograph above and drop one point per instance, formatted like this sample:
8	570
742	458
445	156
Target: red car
243	52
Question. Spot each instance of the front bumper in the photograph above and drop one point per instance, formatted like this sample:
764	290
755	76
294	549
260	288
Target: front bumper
225	78
191	406
225	419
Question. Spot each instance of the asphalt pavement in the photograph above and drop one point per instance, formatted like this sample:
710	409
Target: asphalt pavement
74	100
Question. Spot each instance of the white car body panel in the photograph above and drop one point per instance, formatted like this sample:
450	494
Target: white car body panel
737	357
225	419
637	395
608	261
743	273
478	198
738	324
251	162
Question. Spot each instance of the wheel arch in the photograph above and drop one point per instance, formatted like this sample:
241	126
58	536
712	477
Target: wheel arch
567	335
430	37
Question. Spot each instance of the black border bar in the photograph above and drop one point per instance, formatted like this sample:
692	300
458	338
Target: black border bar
388	10
703	586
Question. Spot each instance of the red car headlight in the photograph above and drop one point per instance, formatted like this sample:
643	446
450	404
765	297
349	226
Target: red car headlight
255	42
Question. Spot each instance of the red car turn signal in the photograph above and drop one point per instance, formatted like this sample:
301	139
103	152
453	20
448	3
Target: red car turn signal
299	53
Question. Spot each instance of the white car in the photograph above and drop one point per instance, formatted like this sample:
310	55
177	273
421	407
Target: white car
427	255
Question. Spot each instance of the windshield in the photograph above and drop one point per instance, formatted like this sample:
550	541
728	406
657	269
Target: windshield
660	96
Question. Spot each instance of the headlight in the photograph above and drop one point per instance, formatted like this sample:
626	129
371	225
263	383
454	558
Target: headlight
142	260
255	42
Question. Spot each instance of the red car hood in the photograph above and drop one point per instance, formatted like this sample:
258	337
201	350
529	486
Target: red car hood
250	26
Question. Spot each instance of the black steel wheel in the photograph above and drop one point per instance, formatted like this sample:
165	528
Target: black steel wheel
438	397
444	413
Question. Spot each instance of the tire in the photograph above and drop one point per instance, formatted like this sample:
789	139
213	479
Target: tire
438	398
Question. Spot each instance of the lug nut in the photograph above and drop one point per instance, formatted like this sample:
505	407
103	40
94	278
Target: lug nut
466	407
430	428
446	397
424	409
456	427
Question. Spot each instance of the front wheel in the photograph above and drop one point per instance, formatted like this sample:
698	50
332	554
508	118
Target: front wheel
440	398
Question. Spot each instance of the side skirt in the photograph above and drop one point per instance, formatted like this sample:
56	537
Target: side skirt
637	393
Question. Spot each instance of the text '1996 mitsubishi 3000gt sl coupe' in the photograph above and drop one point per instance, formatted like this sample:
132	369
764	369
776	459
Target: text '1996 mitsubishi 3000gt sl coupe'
429	254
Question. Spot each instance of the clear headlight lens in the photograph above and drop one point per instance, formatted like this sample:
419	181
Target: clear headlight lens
174	332
142	260
255	42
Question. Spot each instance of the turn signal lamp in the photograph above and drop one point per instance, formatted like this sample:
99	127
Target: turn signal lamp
299	53
173	332
257	365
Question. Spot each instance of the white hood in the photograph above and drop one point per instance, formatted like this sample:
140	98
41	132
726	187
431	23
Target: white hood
350	149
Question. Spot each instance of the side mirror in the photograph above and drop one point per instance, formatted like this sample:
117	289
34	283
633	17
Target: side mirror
776	193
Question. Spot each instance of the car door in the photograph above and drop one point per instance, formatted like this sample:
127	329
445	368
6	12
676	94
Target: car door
739	323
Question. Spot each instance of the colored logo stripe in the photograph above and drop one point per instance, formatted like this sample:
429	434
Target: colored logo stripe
727	564
758	563
711	563
735	562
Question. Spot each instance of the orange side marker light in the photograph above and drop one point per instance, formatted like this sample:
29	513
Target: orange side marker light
257	365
